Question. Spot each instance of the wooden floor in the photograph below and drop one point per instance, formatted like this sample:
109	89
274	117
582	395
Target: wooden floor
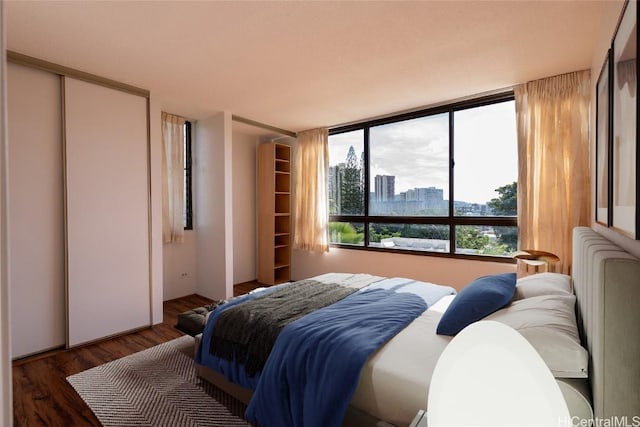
41	394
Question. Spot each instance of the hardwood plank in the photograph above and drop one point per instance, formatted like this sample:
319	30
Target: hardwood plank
243	288
41	394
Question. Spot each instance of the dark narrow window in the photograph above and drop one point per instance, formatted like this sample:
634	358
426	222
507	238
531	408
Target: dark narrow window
188	203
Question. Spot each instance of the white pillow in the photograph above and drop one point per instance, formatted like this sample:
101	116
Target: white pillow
542	284
548	322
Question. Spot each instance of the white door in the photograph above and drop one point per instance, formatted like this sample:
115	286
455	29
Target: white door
35	205
107	183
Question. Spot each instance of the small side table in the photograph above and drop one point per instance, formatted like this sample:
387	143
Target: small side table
531	261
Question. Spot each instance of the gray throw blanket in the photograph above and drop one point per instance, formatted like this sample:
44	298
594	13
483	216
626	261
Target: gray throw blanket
246	332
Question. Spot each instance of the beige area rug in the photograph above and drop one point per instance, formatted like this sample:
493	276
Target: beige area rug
156	387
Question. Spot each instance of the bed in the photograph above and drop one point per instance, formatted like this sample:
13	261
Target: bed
591	355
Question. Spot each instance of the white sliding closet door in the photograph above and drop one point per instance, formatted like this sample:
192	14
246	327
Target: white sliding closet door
35	203
107	211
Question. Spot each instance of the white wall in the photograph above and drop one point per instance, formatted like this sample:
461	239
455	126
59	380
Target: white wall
6	407
213	206
443	271
180	260
610	16
179	267
244	207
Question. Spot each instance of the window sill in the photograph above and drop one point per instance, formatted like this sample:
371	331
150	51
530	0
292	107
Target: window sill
488	258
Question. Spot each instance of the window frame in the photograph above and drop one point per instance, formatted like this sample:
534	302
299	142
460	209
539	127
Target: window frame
188	202
451	219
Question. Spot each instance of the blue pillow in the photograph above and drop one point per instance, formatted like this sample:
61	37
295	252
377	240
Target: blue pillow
478	299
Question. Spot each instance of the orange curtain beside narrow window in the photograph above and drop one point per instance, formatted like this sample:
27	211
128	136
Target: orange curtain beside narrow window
553	154
311	194
172	178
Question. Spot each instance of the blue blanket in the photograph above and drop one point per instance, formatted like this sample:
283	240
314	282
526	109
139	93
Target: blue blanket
233	371
313	370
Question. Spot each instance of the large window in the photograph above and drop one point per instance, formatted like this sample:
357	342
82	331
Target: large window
435	181
188	206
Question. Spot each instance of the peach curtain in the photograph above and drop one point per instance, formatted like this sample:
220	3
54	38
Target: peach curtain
311	194
172	178
553	154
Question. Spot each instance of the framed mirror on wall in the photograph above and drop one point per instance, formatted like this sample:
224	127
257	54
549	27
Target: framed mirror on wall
603	143
624	150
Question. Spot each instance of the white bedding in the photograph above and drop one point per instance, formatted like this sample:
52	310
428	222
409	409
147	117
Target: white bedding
394	382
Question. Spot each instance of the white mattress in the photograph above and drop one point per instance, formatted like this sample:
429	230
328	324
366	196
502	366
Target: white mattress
394	382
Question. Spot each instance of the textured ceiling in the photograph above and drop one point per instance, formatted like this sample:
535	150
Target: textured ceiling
300	65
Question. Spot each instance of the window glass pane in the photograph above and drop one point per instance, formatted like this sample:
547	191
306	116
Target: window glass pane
186	146
415	237
486	240
486	160
346	233
409	167
184	211
185	188
346	173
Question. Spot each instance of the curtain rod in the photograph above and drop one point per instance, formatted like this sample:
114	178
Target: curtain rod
263	126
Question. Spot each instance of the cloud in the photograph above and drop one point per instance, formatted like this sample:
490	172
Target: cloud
416	151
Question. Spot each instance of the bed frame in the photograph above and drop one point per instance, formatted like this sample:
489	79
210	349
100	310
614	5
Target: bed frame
607	286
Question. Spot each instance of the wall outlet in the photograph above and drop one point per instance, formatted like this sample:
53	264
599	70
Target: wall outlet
184	275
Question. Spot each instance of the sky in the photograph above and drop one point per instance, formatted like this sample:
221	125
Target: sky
416	151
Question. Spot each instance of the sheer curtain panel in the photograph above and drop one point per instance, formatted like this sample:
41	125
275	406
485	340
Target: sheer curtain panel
311	195
172	178
553	155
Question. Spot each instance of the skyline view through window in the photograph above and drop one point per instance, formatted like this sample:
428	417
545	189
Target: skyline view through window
412	164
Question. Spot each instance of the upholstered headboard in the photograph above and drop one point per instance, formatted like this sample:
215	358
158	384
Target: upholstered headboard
607	285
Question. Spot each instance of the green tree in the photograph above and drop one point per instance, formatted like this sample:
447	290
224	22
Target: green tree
378	232
343	232
351	191
506	204
468	237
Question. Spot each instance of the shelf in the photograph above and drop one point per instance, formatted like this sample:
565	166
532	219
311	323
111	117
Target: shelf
282	183
283	168
282	152
282	224
274	205
281	274
281	241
